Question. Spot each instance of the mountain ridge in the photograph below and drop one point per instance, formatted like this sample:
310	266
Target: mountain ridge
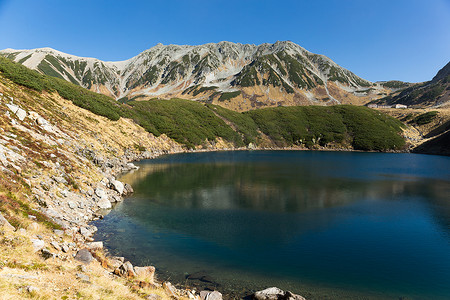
434	93
241	76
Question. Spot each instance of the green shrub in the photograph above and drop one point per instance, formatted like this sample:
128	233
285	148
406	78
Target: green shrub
425	118
242	123
187	122
229	95
361	127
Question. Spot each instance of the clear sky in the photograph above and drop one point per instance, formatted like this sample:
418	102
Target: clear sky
406	40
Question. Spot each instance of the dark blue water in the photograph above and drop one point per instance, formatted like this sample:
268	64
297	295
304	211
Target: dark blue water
326	225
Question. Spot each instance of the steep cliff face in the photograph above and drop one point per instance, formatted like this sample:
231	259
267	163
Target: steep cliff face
238	76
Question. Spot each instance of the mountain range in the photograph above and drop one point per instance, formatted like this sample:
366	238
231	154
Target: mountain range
237	76
434	93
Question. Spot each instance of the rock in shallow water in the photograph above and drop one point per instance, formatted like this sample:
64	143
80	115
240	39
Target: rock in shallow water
208	295
104	203
118	186
128	189
275	293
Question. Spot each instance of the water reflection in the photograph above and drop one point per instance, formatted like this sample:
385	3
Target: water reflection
353	220
261	187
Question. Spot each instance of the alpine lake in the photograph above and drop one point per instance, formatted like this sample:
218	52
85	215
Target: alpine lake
324	225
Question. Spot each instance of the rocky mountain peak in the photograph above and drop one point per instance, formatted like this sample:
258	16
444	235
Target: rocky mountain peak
242	75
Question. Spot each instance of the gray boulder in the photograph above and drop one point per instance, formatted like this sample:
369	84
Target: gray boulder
84	256
88	231
20	113
58	232
32	289
208	295
275	293
114	263
147	272
55	245
104	203
65	248
95	245
125	270
101	193
37	244
118	186
83	277
153	297
128	189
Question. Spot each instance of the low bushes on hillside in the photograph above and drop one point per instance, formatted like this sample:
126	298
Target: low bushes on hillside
192	123
97	103
425	118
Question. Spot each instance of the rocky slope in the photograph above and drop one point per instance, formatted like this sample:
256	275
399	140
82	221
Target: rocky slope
237	76
427	131
434	93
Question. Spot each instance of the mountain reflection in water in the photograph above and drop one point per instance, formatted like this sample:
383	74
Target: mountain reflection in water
377	223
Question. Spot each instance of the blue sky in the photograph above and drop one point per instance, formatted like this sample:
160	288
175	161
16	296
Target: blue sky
406	40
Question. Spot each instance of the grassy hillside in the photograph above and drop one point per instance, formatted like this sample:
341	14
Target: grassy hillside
187	122
192	124
97	103
312	126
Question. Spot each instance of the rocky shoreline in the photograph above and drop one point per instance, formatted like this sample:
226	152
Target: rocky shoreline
92	203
